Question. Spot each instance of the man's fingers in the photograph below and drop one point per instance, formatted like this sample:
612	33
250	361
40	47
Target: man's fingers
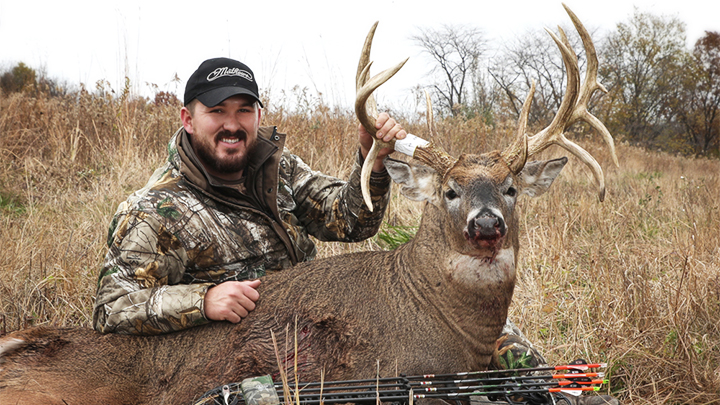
388	128
234	312
249	289
247	304
380	121
395	132
232	300
231	316
253	283
252	294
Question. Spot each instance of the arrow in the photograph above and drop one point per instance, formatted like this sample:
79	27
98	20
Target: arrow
399	395
490	383
579	367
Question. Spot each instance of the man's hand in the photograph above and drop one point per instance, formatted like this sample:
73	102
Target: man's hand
387	129
231	300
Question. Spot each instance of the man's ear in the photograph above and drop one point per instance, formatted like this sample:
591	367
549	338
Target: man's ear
186	118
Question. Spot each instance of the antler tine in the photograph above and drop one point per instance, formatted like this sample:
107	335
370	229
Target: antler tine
365	107
590	85
553	133
366	111
430	154
574	105
516	155
365	58
362	76
429	116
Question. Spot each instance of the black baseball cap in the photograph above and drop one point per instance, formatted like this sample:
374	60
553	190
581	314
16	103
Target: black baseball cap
219	78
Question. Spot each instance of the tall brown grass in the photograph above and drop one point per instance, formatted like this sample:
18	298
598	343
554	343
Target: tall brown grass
634	281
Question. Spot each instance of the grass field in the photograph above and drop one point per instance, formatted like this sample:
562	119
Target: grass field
634	281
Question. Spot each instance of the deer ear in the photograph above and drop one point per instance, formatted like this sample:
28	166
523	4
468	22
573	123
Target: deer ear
417	182
537	176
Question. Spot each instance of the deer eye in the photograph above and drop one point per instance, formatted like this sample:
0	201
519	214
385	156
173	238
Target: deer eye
511	192
451	194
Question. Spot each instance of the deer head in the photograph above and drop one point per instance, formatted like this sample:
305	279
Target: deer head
573	108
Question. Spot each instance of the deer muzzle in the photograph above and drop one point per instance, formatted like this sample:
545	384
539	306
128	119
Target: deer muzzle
485	230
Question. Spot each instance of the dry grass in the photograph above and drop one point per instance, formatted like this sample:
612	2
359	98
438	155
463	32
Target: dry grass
634	281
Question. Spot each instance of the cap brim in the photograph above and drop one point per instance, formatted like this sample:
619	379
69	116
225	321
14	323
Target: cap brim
216	96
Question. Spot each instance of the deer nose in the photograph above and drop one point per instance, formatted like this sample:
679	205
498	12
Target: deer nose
487	225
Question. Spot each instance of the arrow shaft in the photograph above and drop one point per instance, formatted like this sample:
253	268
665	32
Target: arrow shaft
388	396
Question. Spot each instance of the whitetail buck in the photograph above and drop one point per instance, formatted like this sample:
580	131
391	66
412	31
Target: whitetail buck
436	304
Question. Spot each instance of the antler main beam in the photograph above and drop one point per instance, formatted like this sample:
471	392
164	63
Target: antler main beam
573	108
366	111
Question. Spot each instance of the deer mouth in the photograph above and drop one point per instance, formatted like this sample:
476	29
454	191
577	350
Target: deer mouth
485	232
480	240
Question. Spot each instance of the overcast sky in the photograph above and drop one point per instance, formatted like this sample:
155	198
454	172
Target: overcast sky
310	43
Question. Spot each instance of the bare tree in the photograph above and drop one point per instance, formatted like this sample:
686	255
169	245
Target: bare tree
698	107
643	72
530	58
486	96
457	50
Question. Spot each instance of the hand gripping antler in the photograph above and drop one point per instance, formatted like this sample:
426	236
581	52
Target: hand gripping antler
573	108
366	111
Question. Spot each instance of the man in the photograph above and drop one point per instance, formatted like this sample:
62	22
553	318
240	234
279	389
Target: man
230	205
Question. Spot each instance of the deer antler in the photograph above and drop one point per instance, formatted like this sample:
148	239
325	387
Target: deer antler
573	108
366	111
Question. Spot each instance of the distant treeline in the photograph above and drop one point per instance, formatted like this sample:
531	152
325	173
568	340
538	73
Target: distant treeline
661	95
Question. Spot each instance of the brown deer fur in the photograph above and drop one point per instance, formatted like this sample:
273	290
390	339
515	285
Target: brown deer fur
435	304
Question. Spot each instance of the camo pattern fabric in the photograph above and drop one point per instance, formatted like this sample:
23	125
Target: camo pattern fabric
259	391
174	238
515	351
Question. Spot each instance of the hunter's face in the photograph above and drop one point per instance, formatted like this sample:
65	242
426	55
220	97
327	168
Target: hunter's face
223	136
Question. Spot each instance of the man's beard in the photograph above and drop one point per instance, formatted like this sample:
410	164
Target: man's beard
230	164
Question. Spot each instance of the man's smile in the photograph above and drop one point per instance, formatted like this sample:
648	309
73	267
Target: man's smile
231	140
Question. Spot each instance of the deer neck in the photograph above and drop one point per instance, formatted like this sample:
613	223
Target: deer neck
472	292
438	245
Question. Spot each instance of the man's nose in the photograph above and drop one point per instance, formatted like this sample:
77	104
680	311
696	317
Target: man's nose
231	123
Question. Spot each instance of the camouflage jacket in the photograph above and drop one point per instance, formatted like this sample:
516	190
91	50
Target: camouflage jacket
185	232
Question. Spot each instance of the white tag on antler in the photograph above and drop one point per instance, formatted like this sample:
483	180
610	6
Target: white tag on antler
407	146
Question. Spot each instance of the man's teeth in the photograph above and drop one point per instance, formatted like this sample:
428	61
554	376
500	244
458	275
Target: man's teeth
230	140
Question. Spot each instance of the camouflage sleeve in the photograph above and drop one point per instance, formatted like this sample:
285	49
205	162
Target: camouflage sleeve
137	291
334	210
